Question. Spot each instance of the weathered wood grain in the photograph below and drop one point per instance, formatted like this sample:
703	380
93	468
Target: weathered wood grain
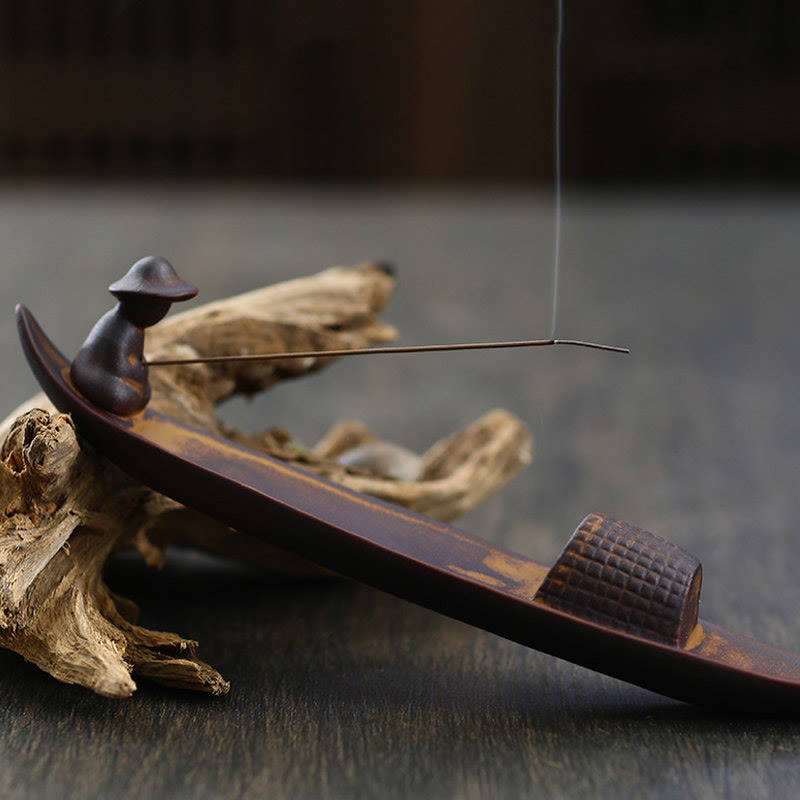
67	509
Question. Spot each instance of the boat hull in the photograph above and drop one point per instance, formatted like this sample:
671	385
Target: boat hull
409	555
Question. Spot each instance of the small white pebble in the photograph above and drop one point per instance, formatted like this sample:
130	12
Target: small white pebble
384	459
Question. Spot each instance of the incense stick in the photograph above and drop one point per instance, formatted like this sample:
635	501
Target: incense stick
367	351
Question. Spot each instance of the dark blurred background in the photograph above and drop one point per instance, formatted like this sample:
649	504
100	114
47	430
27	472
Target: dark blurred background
419	90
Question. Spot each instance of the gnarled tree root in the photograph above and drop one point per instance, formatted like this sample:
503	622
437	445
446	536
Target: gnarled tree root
67	509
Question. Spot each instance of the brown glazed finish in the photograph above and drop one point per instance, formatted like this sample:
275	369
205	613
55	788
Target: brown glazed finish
430	563
627	578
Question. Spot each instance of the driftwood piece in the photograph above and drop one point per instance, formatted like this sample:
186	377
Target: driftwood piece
67	509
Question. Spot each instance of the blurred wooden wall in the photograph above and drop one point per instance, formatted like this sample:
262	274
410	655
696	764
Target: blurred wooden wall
420	90
280	89
684	91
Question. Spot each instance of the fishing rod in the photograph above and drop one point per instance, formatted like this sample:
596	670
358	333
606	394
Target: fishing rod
366	351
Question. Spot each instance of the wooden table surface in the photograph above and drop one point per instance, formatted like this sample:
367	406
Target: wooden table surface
339	691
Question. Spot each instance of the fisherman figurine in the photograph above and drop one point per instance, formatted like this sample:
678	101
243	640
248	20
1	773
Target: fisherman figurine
110	369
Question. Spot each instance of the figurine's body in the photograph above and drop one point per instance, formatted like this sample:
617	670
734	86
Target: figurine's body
110	368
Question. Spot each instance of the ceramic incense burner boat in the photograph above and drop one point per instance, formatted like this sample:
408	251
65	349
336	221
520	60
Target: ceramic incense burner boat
618	600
